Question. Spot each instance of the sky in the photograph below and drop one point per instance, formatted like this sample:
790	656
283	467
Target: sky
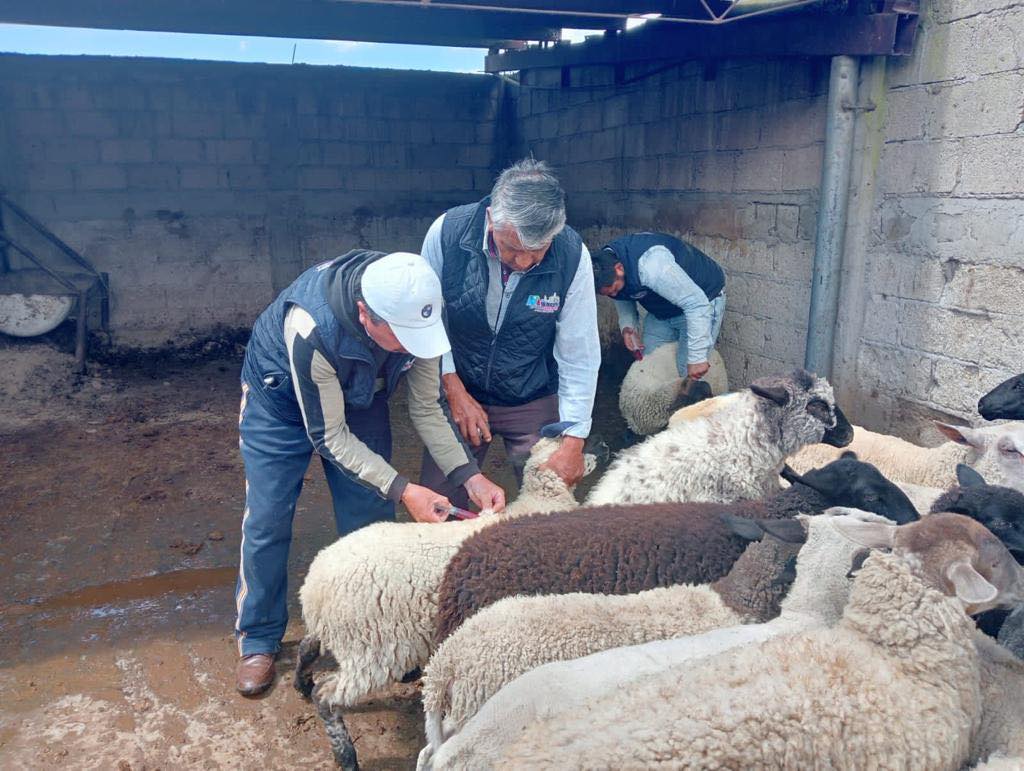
66	40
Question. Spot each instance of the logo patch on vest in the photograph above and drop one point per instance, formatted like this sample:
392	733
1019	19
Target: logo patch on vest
544	303
638	295
427	310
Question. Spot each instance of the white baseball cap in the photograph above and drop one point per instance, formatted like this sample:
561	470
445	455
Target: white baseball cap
405	291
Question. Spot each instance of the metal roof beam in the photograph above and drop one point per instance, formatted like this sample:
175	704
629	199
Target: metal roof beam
789	35
412	22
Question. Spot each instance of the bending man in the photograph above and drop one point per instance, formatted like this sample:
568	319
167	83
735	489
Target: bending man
322	361
680	287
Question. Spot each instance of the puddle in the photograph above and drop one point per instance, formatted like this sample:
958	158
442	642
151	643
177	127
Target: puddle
121	592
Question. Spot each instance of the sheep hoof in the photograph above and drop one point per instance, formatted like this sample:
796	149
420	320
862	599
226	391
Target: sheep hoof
309	652
412	676
338	736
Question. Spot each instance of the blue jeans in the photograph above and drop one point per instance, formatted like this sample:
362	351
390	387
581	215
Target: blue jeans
276	453
657	332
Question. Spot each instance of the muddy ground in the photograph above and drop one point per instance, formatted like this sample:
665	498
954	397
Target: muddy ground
120	501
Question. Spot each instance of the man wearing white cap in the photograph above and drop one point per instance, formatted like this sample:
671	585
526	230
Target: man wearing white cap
319	368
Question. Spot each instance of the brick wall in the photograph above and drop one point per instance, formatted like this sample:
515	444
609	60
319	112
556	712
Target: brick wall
202	188
938	317
728	159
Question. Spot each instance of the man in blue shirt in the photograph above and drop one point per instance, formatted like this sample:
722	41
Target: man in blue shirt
680	287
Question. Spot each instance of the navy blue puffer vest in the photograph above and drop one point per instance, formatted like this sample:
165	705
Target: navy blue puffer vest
702	270
325	291
516	365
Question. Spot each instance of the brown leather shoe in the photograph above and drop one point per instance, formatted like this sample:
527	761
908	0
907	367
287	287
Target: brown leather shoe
255	673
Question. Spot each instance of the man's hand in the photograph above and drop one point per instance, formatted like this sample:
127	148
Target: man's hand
697	371
467	413
567	460
420	502
631	339
484	493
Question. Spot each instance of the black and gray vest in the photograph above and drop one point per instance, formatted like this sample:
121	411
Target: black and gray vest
702	270
325	292
517	364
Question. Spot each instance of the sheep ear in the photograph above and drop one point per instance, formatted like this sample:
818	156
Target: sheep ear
962	435
773	393
971	587
589	463
748	529
874	535
968	477
788	530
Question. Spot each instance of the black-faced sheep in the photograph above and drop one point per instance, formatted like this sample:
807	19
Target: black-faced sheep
623	549
735	452
1005	401
896	684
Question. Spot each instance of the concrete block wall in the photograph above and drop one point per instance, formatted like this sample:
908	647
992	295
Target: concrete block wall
938	317
202	188
728	158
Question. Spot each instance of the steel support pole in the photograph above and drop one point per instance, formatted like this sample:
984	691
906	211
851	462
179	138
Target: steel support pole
831	228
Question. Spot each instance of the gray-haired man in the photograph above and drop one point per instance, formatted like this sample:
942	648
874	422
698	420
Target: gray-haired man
521	314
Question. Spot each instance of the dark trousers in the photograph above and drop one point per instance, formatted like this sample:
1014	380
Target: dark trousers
276	453
518	426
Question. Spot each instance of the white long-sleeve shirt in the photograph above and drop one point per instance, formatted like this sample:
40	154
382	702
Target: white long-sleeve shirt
660	273
577	348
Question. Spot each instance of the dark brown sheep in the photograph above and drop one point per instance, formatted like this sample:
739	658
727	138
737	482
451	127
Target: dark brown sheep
623	549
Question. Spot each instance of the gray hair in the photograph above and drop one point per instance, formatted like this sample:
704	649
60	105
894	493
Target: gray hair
528	198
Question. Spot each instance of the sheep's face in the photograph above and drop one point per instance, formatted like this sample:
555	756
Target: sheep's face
999	448
1000	509
1005	401
804	408
852	483
953	553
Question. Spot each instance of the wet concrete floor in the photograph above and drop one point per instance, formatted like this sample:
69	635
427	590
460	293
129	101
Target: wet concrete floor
120	505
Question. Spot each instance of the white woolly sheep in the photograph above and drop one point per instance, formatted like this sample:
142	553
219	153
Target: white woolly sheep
817	597
370	598
895	684
1001	732
735	452
517	634
650	391
996	451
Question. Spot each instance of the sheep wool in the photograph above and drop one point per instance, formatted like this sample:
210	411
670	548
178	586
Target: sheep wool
370	598
734	452
895	684
651	387
518	634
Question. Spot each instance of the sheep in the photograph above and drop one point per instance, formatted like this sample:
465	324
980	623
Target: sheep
370	598
1001	732
652	388
1000	509
1005	401
895	684
734	453
997	451
817	597
627	549
518	634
